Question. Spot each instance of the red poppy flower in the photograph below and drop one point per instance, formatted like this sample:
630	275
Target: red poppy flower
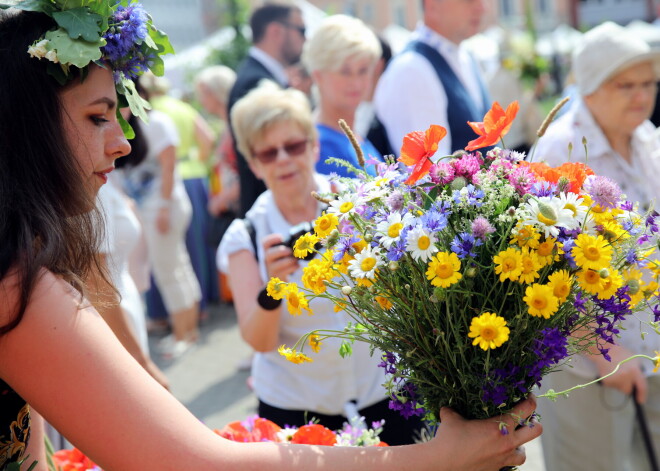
496	124
263	430
314	434
72	460
574	172
418	148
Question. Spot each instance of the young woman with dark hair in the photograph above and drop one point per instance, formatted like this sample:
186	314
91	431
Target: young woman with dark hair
58	144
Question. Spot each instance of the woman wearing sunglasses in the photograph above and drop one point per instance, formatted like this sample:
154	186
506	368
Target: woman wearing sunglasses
276	133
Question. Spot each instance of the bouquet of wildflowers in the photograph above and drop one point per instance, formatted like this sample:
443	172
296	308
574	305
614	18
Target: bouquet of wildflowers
258	429
476	274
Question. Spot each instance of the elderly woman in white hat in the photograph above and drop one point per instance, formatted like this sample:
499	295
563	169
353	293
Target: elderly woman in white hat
596	428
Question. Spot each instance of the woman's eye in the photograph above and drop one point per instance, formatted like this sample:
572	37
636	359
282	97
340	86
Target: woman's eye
98	120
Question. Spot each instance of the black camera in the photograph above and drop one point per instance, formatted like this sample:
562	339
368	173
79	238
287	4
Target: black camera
298	231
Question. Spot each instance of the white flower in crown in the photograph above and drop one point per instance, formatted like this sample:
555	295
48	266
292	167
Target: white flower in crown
52	56
421	244
38	49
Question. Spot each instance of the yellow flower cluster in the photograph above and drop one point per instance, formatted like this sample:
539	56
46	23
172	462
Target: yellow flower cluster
293	356
295	300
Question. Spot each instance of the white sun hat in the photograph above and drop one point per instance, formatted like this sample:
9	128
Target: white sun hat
606	50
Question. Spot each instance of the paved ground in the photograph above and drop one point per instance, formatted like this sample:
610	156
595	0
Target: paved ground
207	380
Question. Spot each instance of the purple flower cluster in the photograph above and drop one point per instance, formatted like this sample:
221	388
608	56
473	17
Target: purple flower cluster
406	399
604	191
128	29
464	244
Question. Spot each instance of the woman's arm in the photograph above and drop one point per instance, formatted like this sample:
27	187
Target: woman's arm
205	138
84	383
167	159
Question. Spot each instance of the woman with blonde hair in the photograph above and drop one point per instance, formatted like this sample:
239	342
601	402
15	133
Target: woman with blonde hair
341	57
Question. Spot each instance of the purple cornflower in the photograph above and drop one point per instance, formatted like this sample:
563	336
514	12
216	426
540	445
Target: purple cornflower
481	227
441	173
398	249
343	246
604	191
542	189
126	32
463	245
470	195
434	221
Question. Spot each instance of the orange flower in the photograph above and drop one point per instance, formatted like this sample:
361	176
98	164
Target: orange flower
72	460
418	148
574	172
314	434
262	430
496	124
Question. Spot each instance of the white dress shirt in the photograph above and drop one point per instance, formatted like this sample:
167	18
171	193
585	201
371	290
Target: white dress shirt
410	97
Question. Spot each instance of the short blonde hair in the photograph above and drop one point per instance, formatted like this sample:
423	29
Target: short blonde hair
218	79
338	38
253	115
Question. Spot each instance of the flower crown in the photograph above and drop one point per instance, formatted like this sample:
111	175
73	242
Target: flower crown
118	34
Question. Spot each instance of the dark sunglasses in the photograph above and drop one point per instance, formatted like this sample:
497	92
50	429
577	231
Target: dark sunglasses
300	29
293	149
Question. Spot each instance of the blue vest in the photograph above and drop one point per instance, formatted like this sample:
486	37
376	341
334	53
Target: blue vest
461	108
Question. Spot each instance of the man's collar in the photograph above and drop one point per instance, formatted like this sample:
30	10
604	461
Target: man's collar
270	63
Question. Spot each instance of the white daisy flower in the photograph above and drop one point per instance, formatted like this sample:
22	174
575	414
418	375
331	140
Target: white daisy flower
574	202
365	263
421	244
390	229
345	205
286	434
548	215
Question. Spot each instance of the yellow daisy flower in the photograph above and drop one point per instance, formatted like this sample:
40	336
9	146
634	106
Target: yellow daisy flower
296	301
612	230
541	300
276	288
508	264
305	245
325	224
530	266
318	272
315	342
610	284
656	361
592	252
548	252
383	302
561	282
525	236
590	281
293	356
443	269
488	331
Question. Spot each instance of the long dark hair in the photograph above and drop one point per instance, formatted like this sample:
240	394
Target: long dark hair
45	217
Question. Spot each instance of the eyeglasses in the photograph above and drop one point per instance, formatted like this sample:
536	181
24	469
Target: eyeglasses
300	29
292	149
628	89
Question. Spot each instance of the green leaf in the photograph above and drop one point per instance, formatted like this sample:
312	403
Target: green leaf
80	23
157	66
138	105
129	133
161	40
43	6
76	52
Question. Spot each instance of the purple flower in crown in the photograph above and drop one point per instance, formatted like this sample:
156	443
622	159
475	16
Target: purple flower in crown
126	32
604	191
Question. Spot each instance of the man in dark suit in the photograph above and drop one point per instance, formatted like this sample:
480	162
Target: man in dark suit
278	35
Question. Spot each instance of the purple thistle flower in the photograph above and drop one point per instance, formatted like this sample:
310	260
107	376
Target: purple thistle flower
481	227
604	191
395	201
463	245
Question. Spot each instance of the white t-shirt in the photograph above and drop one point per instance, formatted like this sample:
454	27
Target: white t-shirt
330	381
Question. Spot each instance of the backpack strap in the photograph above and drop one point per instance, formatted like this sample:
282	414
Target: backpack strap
252	232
